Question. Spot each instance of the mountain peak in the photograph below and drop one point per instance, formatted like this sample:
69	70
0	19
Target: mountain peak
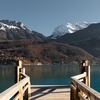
59	31
69	28
14	30
7	24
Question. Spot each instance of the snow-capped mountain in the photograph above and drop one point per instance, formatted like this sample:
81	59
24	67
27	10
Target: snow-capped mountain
13	30
7	24
68	28
92	31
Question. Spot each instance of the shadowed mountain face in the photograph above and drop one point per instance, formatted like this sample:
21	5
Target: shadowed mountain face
46	53
13	30
90	45
90	32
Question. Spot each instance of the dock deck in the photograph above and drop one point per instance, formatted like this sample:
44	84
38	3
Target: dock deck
79	88
50	92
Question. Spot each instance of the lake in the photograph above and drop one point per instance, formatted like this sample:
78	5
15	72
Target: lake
47	75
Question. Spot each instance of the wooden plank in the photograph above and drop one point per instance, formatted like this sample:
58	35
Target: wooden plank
38	86
47	92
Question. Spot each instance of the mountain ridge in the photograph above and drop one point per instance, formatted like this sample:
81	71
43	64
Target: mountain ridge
68	28
13	30
42	50
33	52
91	31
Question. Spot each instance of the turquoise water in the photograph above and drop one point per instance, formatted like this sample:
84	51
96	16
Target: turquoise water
52	74
6	76
95	77
47	75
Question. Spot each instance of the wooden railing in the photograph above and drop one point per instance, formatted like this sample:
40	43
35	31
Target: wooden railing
80	85
20	90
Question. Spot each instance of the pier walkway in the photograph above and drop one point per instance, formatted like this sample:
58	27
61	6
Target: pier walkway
50	92
79	87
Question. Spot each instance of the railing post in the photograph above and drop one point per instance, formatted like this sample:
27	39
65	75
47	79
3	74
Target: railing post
20	63
29	89
17	71
18	78
74	93
21	92
85	67
27	92
23	70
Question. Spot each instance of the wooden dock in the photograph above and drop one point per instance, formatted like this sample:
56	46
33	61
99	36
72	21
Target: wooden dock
50	92
79	87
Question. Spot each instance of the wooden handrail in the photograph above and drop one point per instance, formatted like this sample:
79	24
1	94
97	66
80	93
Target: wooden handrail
19	90
80	85
83	91
80	76
10	92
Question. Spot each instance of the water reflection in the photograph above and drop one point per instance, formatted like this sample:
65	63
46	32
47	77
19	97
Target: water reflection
6	76
51	74
95	77
48	74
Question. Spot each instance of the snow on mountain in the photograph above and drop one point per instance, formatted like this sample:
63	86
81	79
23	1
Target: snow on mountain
68	28
7	24
59	31
13	30
4	26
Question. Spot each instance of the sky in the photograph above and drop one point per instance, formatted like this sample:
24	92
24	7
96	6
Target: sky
44	16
